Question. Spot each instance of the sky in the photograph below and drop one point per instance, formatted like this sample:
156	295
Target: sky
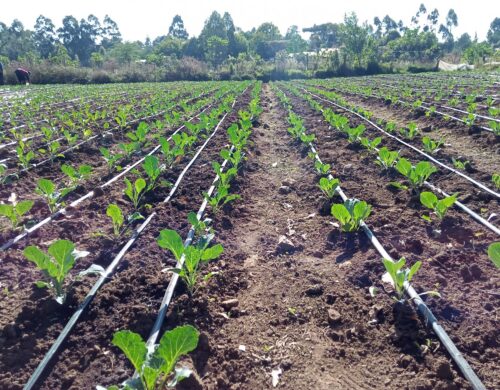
151	18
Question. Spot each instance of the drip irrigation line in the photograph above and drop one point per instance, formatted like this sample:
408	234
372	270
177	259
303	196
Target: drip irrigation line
429	157
457	203
424	310
102	279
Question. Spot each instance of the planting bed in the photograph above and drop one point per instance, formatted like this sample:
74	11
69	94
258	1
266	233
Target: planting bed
293	302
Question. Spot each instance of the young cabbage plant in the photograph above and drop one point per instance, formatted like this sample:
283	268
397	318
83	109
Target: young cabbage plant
322	169
354	134
15	210
462	165
110	158
53	196
496	180
55	264
77	176
494	253
409	132
417	174
329	186
129	148
398	276
235	157
153	170
220	197
140	134
115	213
202	228
351	213
370	145
23	155
386	159
156	368
439	206
431	146
135	191
194	256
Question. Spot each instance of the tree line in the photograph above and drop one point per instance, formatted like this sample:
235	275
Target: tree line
222	50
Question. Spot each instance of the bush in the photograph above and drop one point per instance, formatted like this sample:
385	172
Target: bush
100	77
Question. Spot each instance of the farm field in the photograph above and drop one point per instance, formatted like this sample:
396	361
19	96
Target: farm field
264	215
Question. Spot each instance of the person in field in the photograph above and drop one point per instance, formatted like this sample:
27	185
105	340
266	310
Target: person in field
1	74
23	75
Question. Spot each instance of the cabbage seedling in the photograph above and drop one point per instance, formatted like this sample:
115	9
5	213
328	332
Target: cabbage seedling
115	213
153	170
351	213
371	145
329	186
221	197
354	134
431	146
494	253
77	175
386	159
53	197
496	180
321	168
110	158
194	255
55	265
416	175
157	366
399	277
439	206
15	210
136	191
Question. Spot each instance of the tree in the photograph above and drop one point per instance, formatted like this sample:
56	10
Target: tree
325	35
126	52
295	43
110	33
433	19
266	41
451	21
354	37
463	42
494	33
216	51
80	39
477	52
44	36
16	41
177	29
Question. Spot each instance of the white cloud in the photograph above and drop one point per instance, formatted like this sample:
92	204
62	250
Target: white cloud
140	19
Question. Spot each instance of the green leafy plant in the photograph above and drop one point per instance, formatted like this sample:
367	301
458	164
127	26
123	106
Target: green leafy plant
77	175
496	180
55	265
417	174
462	165
156	367
386	159
439	206
139	135
15	210
193	255
399	277
201	227
110	158
354	134
115	213
153	170
371	145
220	197
329	186
409	132
53	196
23	155
136	191
494	253
431	146
351	213
321	168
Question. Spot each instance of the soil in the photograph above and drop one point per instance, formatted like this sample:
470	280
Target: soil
300	305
